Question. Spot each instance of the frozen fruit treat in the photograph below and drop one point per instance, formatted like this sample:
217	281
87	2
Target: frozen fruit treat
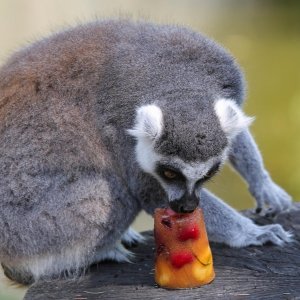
183	256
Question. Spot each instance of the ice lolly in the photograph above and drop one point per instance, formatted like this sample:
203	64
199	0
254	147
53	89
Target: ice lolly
183	256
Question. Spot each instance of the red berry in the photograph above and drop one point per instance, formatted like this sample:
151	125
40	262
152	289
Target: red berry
179	259
191	231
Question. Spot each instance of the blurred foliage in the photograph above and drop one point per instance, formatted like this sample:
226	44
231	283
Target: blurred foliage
264	36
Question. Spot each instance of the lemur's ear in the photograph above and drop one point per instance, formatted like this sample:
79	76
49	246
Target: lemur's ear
148	122
231	117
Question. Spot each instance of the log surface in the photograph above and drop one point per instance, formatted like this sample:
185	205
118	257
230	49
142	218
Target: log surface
268	272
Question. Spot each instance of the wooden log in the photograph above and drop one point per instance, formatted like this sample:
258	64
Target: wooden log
267	272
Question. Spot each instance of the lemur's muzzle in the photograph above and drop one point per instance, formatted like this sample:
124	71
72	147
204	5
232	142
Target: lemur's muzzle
186	204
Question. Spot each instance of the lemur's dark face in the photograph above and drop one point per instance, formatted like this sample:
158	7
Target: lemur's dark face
176	158
183	181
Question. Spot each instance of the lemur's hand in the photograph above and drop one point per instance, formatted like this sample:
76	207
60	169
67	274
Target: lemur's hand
271	199
226	225
258	235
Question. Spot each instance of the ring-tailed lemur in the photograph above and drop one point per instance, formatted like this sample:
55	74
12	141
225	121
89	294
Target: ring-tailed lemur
103	120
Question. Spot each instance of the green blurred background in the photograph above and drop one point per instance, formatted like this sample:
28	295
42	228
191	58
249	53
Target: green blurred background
263	35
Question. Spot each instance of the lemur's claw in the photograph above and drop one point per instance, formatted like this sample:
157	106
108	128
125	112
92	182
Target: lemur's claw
258	210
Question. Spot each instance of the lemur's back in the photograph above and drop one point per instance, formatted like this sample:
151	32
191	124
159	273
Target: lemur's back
97	63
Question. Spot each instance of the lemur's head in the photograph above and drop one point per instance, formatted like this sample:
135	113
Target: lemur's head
185	149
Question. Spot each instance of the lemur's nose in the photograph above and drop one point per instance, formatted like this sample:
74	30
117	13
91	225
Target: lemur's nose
186	204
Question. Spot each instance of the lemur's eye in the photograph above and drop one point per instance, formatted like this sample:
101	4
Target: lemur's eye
169	174
213	170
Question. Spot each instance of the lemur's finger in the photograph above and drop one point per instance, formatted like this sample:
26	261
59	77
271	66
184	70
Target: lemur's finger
269	236
281	233
258	210
259	205
285	199
275	205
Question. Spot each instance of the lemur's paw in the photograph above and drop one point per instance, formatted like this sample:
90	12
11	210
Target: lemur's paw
271	199
259	235
132	238
119	254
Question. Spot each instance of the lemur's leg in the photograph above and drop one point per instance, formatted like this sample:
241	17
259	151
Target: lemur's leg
225	225
77	224
247	160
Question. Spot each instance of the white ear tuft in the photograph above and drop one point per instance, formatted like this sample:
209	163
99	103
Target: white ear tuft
231	117
148	123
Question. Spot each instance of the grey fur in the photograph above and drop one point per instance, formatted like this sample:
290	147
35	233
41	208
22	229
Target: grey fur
70	185
200	136
246	158
226	225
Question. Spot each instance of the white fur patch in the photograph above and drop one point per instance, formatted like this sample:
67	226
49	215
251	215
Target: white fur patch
148	127
146	155
232	118
71	261
48	265
148	123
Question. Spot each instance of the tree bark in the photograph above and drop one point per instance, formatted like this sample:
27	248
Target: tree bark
265	272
